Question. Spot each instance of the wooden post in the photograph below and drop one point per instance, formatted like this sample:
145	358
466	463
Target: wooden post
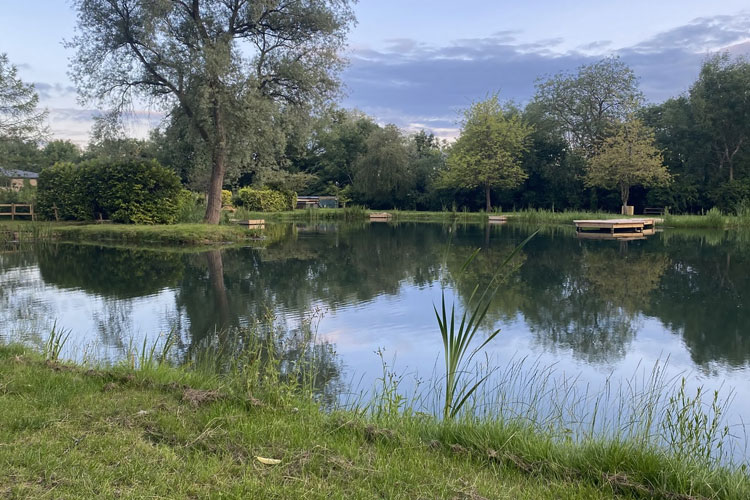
12	211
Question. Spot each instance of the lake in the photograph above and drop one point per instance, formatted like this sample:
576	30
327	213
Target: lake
597	312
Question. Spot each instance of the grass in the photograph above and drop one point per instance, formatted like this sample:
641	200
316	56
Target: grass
203	234
144	428
183	234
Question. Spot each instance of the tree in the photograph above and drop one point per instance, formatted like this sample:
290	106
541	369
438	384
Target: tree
588	104
382	175
487	154
227	65
721	102
627	158
19	116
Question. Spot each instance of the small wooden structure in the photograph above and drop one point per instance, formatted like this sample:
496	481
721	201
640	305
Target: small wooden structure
381	216
13	213
613	227
498	219
252	223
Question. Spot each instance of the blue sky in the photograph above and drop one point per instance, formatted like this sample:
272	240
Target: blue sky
416	63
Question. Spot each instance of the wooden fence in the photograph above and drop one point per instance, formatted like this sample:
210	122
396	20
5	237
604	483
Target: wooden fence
29	212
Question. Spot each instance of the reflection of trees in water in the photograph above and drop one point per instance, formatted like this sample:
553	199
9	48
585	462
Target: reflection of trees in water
23	317
705	297
586	296
592	303
109	272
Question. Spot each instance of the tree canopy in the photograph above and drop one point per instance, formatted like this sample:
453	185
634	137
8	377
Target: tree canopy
227	66
587	104
627	158
488	152
20	117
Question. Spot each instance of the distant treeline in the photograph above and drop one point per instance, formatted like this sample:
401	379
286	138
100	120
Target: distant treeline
703	136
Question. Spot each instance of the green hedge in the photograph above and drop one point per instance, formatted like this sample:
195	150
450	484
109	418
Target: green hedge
266	200
128	191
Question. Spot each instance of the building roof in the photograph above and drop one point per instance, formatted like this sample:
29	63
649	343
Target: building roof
17	174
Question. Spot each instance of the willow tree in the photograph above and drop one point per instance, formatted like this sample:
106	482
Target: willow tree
221	63
488	152
627	158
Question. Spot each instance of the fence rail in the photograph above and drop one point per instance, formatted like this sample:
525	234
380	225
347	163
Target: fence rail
15	213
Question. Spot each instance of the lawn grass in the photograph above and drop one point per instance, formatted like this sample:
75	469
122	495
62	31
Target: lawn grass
159	432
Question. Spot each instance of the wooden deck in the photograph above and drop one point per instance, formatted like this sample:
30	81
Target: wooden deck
251	224
616	226
381	217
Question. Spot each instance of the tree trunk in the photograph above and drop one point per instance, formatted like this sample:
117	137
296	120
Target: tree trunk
487	197
219	158
624	194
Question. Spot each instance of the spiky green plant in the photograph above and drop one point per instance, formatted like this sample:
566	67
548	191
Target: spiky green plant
55	343
457	338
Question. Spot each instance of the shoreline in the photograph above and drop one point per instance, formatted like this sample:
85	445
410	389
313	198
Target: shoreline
153	429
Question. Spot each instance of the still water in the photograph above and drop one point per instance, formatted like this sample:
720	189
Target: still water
595	310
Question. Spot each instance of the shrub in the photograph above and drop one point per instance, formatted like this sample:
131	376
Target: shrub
226	198
128	191
190	207
266	200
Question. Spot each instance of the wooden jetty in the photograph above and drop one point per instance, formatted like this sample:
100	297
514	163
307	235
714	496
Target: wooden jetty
252	223
381	217
615	227
498	219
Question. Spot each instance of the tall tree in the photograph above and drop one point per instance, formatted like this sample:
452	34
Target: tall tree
487	154
721	102
587	104
627	158
223	63
20	117
382	174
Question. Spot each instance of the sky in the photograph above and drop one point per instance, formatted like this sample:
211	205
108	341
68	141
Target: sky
418	63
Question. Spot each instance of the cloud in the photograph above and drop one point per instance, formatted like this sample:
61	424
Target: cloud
410	83
54	90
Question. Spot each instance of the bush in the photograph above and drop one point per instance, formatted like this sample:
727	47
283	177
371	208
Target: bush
25	195
266	200
128	191
190	207
226	198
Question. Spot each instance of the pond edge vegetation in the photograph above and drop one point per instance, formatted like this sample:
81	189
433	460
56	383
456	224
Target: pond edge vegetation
254	380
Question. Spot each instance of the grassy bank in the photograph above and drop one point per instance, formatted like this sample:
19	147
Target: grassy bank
203	234
155	431
185	234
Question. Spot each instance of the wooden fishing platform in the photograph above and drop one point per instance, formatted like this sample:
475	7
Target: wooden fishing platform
252	223
498	219
381	217
615	227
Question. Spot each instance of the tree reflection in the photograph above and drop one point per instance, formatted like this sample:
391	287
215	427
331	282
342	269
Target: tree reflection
588	297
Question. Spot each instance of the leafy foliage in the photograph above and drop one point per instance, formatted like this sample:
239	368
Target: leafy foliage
227	69
626	159
488	152
132	191
266	200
